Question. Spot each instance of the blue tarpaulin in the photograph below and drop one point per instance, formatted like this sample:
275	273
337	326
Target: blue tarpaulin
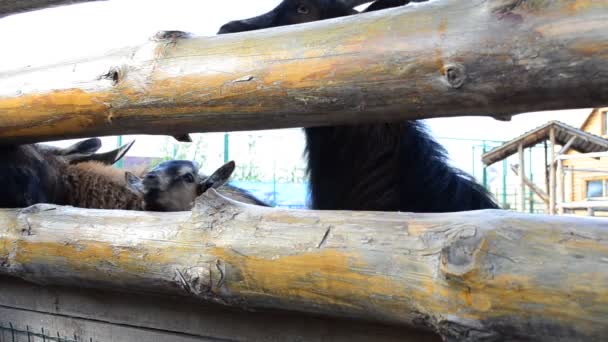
284	195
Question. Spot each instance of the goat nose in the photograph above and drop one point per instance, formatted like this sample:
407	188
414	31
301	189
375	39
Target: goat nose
227	28
235	26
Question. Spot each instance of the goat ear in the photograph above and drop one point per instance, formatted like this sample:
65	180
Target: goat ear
107	158
218	178
134	183
87	146
110	157
78	150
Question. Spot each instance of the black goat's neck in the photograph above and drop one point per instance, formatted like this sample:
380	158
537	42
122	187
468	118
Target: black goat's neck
386	167
354	167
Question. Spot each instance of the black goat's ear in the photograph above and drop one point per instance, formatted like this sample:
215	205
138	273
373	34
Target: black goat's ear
87	146
110	157
106	158
218	178
134	183
82	148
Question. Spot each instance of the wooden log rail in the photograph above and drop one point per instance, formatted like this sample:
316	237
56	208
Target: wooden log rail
442	58
9	7
486	275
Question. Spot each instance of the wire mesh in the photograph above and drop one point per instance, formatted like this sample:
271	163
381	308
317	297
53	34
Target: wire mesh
10	332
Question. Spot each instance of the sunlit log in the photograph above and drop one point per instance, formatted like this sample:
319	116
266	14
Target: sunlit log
485	275
441	58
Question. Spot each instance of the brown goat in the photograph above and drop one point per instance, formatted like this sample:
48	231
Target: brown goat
174	185
95	185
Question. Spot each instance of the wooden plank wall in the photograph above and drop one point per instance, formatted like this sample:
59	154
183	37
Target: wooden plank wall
577	182
580	178
114	317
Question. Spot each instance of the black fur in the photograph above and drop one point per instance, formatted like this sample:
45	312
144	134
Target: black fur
286	13
384	4
385	166
26	178
151	201
388	167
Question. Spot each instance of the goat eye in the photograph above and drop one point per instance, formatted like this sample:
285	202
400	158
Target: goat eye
188	178
303	9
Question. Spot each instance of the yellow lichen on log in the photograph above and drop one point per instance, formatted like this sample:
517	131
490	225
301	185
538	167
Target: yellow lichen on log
441	58
468	276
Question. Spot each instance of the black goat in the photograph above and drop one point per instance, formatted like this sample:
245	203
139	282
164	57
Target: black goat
384	166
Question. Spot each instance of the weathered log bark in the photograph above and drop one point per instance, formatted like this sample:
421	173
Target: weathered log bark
442	58
8	7
487	275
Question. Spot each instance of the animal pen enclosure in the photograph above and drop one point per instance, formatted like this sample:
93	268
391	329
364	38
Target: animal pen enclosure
472	276
570	139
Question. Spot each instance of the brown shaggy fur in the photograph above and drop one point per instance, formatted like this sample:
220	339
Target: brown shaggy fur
94	185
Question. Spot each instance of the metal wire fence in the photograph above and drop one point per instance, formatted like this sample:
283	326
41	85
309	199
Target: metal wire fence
270	165
11	332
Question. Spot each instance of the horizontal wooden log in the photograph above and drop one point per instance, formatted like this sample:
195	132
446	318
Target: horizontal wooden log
486	275
8	7
441	58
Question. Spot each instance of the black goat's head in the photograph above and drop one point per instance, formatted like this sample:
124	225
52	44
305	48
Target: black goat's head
174	185
290	12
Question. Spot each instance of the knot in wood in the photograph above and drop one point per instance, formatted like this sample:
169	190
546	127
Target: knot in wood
194	280
459	257
455	75
113	75
170	35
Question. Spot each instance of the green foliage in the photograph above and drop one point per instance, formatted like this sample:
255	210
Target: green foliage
244	149
248	171
293	174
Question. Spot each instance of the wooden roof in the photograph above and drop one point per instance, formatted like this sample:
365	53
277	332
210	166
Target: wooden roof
585	142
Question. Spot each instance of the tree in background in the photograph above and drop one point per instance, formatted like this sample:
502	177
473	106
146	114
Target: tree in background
293	174
197	150
249	171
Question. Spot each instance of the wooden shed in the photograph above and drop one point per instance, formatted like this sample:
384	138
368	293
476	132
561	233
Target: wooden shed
587	178
570	140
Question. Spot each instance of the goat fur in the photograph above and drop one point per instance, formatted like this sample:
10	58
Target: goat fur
393	166
94	185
